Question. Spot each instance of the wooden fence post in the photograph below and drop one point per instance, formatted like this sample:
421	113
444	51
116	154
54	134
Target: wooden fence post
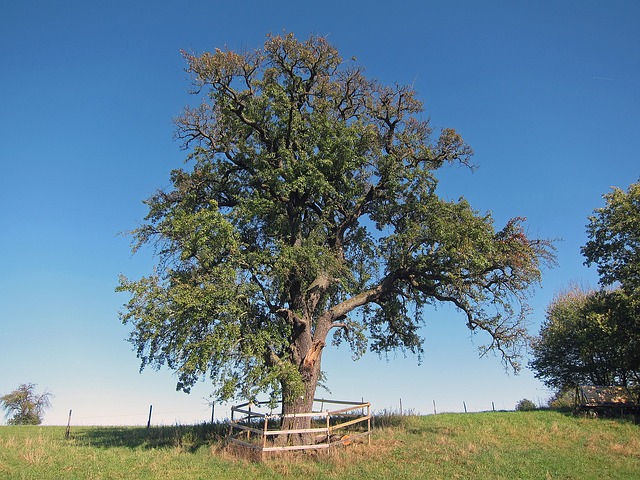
369	422
464	404
264	433
434	408
328	423
249	421
67	434
149	421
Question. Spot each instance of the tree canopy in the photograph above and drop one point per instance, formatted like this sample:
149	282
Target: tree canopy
593	337
310	212
23	406
589	338
614	239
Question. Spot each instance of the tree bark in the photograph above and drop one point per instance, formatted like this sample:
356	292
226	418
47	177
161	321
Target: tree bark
296	402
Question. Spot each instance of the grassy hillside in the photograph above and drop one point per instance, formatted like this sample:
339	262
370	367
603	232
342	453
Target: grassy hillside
513	445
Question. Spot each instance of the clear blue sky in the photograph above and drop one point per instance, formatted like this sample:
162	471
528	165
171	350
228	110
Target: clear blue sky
546	92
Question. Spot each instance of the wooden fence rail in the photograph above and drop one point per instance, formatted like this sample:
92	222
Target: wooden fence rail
329	422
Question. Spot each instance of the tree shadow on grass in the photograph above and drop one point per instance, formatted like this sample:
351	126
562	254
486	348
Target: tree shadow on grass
186	437
631	415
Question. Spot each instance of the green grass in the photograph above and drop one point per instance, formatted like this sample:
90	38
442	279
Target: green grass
500	445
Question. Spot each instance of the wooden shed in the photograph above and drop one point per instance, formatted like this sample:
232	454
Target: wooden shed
607	400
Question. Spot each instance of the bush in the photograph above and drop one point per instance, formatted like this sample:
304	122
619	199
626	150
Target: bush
563	399
525	405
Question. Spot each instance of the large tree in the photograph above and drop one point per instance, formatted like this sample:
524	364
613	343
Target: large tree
310	213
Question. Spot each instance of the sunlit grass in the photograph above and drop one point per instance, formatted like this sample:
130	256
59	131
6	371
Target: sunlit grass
500	445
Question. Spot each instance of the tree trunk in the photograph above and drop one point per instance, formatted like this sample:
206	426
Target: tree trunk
301	402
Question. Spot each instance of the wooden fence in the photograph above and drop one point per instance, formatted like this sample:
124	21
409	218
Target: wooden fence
255	430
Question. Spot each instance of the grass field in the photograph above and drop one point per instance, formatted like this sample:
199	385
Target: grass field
500	445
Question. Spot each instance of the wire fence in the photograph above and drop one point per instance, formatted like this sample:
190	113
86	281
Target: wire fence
221	413
149	416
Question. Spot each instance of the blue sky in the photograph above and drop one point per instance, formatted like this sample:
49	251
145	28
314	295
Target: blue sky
547	93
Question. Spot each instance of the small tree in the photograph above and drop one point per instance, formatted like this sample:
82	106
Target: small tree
588	337
24	406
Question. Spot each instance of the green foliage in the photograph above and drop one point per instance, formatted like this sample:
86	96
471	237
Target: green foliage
594	337
589	337
311	209
614	245
525	405
23	406
563	400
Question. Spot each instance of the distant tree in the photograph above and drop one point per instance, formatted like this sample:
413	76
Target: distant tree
311	211
589	337
614	239
593	337
525	405
24	406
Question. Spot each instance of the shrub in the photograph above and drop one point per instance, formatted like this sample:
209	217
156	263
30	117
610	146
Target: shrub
525	405
563	399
